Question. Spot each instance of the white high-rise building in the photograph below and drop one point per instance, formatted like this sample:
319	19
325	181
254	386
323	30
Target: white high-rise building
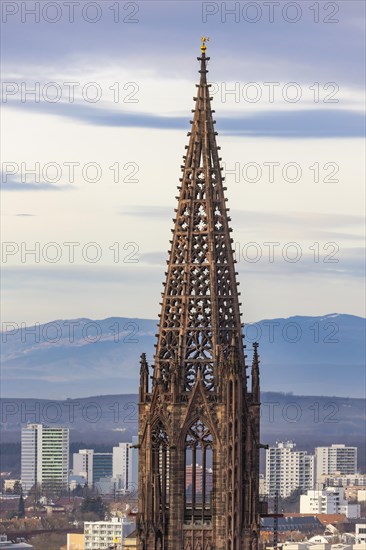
288	470
82	465
328	501
44	456
102	535
125	466
92	466
335	459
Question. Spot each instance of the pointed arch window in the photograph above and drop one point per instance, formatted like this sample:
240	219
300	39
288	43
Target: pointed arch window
198	474
160	468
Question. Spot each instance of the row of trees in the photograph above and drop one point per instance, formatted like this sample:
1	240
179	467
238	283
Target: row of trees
91	509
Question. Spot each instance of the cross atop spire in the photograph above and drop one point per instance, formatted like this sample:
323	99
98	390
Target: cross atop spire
200	308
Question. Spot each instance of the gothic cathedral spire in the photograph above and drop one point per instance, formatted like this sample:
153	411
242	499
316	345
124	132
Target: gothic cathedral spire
198	424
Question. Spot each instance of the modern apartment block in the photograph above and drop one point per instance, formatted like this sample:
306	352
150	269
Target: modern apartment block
44	456
92	466
203	480
339	480
82	465
102	535
335	459
102	466
288	470
125	466
328	501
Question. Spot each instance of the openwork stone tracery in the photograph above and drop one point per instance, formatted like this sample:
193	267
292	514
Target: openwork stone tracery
198	423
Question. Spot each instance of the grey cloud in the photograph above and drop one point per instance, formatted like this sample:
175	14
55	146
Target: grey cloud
315	123
155	258
351	264
165	32
24	215
71	279
256	218
12	184
318	220
142	211
69	274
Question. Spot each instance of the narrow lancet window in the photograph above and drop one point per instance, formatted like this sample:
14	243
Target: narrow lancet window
160	468
198	474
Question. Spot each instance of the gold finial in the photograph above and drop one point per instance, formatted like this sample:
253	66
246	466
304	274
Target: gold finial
204	39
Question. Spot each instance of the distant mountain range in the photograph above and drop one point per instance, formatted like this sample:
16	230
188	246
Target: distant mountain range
76	358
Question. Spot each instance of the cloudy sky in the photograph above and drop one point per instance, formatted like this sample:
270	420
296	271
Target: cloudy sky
97	98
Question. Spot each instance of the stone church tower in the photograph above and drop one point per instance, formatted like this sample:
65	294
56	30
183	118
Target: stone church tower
198	422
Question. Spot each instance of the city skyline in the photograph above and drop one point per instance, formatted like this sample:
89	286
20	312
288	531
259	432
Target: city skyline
337	496
236	420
